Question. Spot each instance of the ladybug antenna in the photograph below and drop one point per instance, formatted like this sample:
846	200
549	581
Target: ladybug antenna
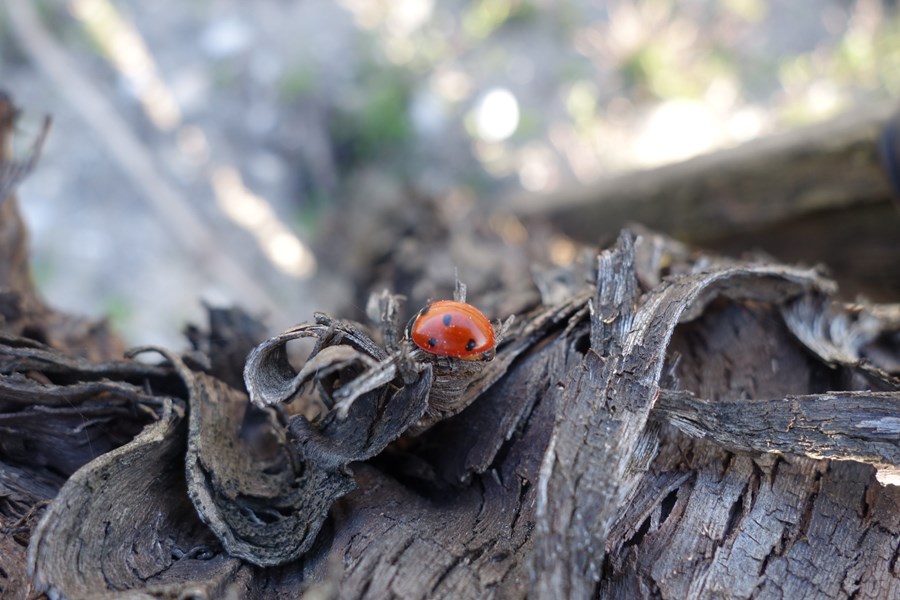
459	293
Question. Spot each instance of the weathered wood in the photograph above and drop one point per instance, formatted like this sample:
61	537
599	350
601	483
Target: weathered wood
662	424
820	194
117	526
740	526
737	520
607	402
581	497
244	478
859	426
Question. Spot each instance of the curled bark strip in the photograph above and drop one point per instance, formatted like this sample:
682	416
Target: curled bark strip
374	420
88	545
269	376
859	426
607	399
223	347
244	478
346	365
265	495
345	355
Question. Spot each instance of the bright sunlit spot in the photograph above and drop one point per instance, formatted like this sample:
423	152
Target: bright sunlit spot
127	51
676	130
497	115
888	476
538	171
248	210
406	16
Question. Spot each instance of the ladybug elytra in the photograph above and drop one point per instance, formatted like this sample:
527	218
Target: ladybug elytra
455	329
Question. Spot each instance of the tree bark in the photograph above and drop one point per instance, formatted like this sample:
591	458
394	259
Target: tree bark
657	423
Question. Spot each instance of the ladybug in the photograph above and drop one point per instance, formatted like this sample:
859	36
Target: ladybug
455	329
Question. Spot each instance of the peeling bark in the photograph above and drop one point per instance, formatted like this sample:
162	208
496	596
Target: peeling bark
657	423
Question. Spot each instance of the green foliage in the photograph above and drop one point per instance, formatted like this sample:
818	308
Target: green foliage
638	68
377	121
870	61
42	270
484	17
752	11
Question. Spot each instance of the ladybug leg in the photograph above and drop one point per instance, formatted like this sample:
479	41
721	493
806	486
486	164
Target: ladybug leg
407	366
329	335
446	364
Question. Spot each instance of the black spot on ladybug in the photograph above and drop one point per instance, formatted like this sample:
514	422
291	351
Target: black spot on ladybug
447	319
432	342
470	345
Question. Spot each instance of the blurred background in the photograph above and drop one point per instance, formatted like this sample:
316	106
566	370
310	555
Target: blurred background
201	149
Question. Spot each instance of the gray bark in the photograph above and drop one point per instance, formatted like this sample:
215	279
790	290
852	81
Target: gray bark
661	424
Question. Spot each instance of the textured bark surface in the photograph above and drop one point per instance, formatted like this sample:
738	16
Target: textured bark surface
657	423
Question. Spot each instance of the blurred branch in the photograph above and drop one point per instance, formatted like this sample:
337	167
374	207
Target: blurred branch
12	172
14	268
185	224
833	165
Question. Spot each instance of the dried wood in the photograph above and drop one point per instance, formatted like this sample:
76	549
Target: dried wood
826	193
657	423
858	426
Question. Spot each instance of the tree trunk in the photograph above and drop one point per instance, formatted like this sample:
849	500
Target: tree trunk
657	423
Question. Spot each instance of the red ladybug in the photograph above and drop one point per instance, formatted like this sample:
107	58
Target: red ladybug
456	329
